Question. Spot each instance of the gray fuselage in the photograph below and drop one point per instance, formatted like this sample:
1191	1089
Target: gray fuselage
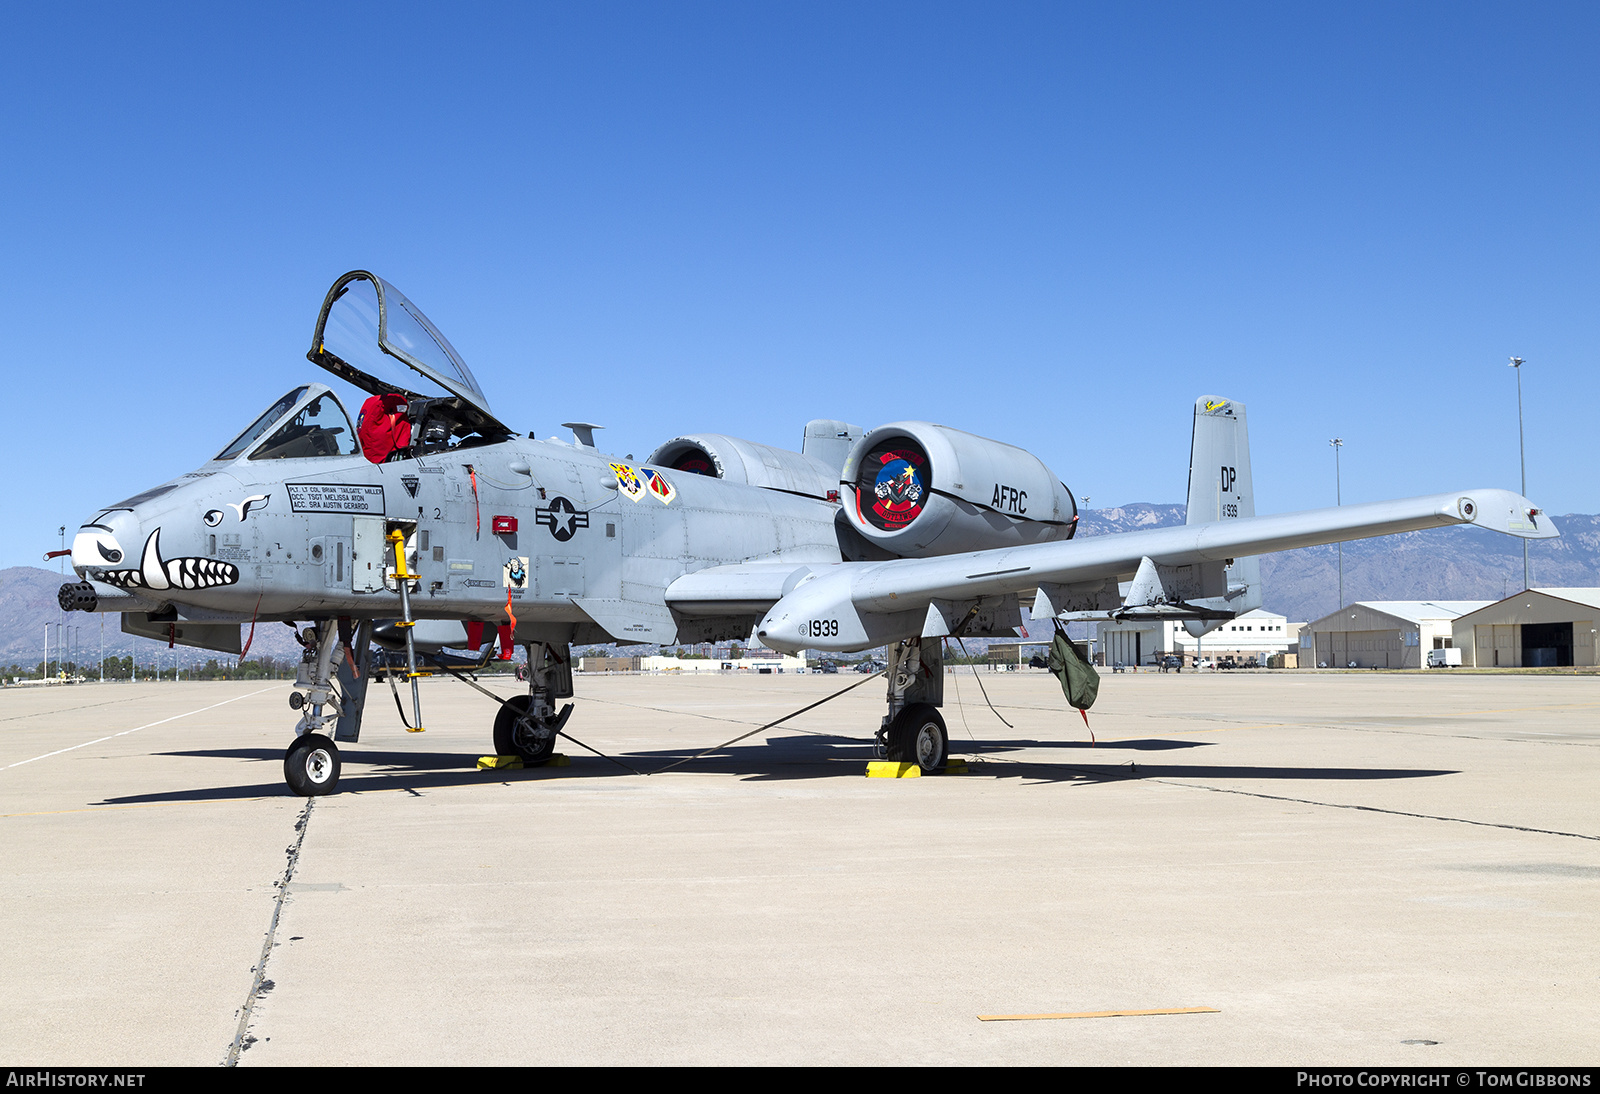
303	538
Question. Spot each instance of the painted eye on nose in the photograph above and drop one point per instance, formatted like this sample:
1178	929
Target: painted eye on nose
110	554
213	517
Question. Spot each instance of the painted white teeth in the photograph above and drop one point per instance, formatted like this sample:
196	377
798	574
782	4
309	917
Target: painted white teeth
191	572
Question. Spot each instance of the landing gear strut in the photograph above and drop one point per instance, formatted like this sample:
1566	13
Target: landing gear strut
311	765
913	730
527	725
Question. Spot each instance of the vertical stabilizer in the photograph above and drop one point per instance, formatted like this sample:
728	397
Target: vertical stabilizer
830	442
1220	488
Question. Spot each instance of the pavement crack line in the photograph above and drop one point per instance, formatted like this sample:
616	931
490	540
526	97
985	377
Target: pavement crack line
1135	777
1376	809
64	710
1400	729
241	1037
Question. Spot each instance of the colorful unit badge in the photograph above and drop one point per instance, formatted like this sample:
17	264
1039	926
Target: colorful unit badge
628	481
658	485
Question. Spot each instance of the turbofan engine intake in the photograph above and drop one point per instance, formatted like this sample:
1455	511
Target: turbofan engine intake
923	489
737	460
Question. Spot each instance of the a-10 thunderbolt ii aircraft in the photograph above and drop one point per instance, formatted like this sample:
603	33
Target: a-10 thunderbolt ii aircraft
435	526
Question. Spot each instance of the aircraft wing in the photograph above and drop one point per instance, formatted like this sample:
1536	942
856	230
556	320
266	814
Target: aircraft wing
1178	572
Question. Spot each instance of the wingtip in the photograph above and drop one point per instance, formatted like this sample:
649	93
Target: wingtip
1508	512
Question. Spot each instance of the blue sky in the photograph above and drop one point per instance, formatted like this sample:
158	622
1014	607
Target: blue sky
1052	224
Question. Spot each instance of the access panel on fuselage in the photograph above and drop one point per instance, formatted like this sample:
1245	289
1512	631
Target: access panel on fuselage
367	554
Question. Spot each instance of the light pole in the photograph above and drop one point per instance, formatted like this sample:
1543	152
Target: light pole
1522	452
1338	497
61	613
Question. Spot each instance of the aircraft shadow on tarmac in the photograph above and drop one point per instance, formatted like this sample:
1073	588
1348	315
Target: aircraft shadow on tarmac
789	758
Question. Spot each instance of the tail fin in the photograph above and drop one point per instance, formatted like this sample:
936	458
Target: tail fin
1220	488
830	442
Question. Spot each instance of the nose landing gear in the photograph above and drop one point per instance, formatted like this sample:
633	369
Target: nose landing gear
311	765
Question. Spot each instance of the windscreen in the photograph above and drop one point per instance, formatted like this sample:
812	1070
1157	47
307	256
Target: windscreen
320	429
263	423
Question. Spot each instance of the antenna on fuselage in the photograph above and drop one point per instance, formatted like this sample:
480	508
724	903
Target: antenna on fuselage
583	431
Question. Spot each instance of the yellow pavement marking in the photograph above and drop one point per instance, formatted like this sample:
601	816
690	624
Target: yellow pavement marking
1096	1014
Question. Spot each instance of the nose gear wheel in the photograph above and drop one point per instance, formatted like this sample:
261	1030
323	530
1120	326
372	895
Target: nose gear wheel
311	766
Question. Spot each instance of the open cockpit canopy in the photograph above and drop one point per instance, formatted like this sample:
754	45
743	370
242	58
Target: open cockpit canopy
369	334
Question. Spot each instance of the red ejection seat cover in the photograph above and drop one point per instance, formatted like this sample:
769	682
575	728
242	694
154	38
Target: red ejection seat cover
383	427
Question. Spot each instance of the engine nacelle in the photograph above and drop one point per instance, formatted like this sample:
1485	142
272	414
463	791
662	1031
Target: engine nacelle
738	460
923	489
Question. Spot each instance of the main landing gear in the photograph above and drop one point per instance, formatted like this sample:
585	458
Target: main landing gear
330	692
527	725
913	730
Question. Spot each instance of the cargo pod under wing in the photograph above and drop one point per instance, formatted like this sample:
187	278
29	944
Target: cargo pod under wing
856	606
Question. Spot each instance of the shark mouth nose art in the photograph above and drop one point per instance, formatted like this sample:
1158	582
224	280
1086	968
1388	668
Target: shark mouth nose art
155	572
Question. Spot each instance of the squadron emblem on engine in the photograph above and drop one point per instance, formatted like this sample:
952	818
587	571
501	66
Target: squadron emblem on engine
898	489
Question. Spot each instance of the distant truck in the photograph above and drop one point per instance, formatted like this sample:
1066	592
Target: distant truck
1444	659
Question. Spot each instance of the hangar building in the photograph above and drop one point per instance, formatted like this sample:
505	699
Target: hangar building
1537	628
1383	634
1253	636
